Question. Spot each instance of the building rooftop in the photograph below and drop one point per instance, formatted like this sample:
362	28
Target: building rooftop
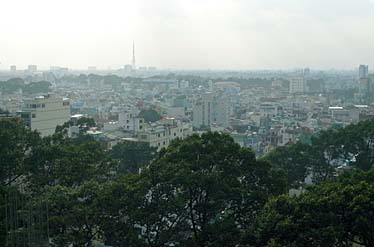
336	108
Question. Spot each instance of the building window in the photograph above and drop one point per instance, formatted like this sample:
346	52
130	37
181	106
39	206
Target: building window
33	115
163	134
65	103
140	121
127	121
163	143
159	144
175	134
140	127
43	105
158	135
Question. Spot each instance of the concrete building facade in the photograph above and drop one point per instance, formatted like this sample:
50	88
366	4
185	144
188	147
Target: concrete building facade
44	113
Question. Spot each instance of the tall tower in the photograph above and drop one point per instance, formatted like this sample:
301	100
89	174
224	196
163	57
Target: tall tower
363	71
133	56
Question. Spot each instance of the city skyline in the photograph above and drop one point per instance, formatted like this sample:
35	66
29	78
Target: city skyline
227	35
184	123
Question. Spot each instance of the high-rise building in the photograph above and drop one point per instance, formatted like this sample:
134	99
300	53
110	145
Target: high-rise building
306	72
211	110
44	113
32	68
13	68
221	111
201	112
297	85
370	92
363	71
365	84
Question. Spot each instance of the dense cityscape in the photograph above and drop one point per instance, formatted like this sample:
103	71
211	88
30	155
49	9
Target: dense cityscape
174	123
258	109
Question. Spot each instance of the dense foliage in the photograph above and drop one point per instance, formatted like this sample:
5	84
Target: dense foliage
201	191
150	115
16	84
350	147
339	213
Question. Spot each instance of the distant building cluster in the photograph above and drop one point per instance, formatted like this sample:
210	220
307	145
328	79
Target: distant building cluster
261	111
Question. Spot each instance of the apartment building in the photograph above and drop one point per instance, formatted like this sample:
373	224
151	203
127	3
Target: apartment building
160	134
44	113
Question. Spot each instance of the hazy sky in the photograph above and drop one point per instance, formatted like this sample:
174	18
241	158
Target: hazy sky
187	34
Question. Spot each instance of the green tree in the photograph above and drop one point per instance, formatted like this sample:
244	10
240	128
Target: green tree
37	87
220	183
328	150
11	85
141	212
150	115
16	147
325	153
132	155
83	123
294	160
200	191
74	214
329	214
3	219
357	142
120	203
60	161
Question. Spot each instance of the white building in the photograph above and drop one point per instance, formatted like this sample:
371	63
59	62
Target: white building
211	110
341	114
130	122
202	111
161	134
44	113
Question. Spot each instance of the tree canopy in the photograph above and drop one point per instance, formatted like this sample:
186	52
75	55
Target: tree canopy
352	146
338	213
201	191
150	115
132	156
15	84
